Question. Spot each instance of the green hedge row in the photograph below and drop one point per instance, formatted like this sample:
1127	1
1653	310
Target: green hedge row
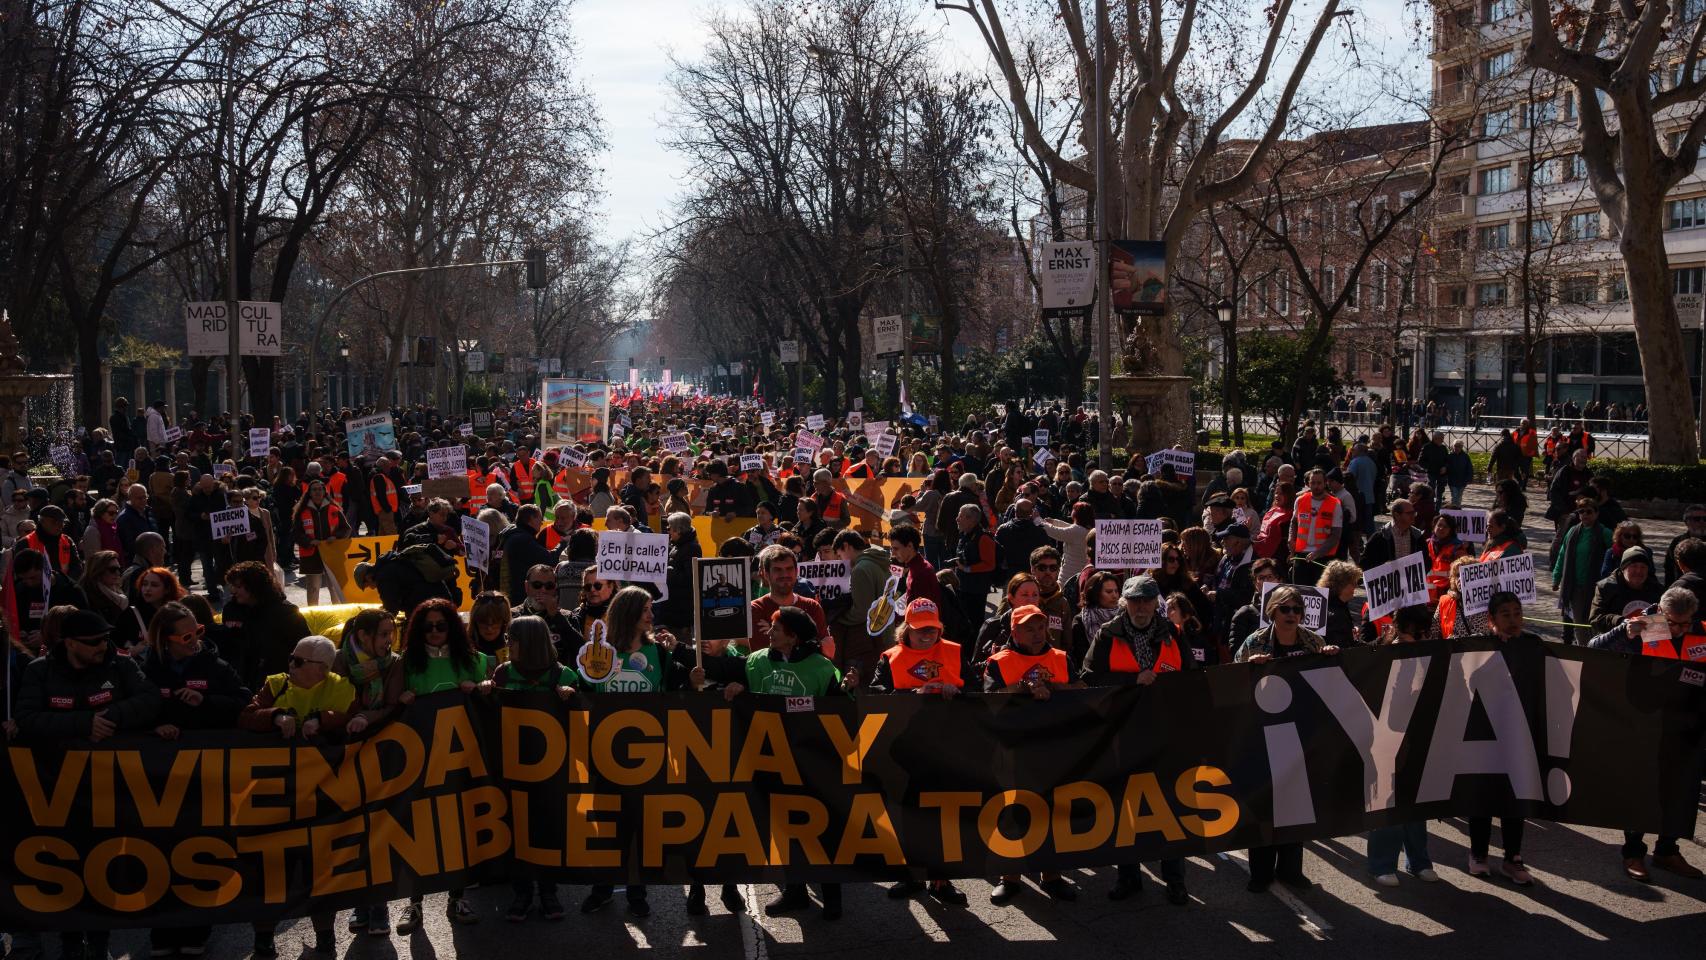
1638	480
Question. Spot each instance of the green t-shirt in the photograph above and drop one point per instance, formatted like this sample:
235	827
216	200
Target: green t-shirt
639	672
811	677
509	678
441	674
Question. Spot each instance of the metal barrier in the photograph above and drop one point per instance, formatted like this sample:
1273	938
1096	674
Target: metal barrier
1478	438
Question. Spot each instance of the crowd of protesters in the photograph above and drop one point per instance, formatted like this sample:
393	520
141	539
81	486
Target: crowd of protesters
111	632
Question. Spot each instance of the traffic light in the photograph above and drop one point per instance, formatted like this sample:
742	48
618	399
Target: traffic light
535	268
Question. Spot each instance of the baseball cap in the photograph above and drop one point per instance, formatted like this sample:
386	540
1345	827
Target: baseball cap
1220	500
1141	587
1236	530
923	612
1026	612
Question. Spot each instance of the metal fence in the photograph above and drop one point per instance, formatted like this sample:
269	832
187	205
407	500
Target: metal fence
1615	439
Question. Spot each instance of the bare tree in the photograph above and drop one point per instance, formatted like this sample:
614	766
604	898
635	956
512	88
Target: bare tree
1640	82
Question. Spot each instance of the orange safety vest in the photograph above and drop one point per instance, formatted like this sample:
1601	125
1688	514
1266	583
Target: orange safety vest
1528	440
552	537
1012	666
1448	616
563	486
311	530
33	542
1168	660
522	473
386	503
1439	568
335	487
912	669
1551	447
833	510
1693	647
1314	523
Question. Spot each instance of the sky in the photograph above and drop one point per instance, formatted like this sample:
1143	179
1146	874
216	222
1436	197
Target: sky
626	65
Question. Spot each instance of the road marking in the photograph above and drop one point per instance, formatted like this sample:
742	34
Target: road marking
1251	935
1313	923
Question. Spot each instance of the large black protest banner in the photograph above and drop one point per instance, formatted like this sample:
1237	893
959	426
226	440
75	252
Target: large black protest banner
232	826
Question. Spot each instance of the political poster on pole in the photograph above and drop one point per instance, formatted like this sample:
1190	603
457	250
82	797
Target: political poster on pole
789	350
831	578
1137	277
808	441
465	430
574	411
260	442
1068	278
886	337
477	542
767	418
483	421
633	557
260	329
1471	524
1044	457
60	454
855	419
174	434
229	523
1314	606
723	588
1128	544
370	436
571	457
445	462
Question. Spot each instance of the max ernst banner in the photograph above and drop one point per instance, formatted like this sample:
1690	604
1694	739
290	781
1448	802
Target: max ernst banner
230	826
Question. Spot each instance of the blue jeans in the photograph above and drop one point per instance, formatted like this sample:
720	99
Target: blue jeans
1457	494
933	551
1385	842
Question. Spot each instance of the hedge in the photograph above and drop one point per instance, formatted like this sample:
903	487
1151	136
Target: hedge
1639	480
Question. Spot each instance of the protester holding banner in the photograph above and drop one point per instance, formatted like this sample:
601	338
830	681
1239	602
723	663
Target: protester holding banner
1504	615
1340	580
1449	618
1504	537
1633	584
1409	625
1442	549
317	519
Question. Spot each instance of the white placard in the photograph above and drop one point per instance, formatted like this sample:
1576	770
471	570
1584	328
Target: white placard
476	360
767	418
858	404
750	462
477	542
1128	544
935	422
229	523
571	457
174	434
466	430
1516	574
1314	607
1471	525
618	431
260	441
1476	583
1184	462
855	419
675	442
806	440
1397	583
790	350
886	337
885	444
444	462
224	470
60	454
1068	276
260	329
411	488
815	422
1040	438
830	577
634	557
1044	457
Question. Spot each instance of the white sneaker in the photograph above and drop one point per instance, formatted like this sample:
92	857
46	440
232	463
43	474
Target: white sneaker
1478	867
1387	879
1427	875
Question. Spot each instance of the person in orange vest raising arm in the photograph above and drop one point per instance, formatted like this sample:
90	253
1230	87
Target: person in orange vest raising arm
1135	647
1318	524
1683	638
921	662
1030	666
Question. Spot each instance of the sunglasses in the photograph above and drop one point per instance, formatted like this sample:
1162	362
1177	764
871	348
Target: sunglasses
188	635
540	584
1294	611
300	662
436	626
99	640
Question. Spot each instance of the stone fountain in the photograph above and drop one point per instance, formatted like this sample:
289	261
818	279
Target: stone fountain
1152	407
17	385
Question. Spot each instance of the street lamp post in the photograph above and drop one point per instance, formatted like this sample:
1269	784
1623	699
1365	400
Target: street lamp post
1104	337
1028	366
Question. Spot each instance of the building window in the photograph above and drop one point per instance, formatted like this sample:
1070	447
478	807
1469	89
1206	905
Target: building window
1376	362
1573	354
1686	214
1582	289
1538	113
1543	174
1378	292
1490	294
1282	298
1617	288
1495	10
1351	361
1456	297
1578	168
1329	284
1582	226
1495	180
1407	292
1497	123
1687	279
1539	233
1618	356
1493	237
1498	65
1351	292
1569	99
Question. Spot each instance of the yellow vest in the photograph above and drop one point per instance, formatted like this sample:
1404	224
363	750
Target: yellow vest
332	693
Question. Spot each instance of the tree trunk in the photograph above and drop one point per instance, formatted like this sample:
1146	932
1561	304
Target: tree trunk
200	367
260	373
1671	432
89	364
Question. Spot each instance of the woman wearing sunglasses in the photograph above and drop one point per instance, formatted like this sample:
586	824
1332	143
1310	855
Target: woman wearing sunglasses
438	656
200	692
1284	636
307	700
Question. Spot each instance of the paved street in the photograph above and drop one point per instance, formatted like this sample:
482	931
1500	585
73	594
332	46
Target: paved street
1582	905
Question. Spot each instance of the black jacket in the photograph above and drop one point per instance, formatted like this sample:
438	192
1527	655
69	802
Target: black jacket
1014	541
223	693
1382	548
1145	645
522	551
677	612
258	638
1613	593
58	702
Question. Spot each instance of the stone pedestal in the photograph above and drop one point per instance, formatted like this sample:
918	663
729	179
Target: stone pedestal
1153	412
